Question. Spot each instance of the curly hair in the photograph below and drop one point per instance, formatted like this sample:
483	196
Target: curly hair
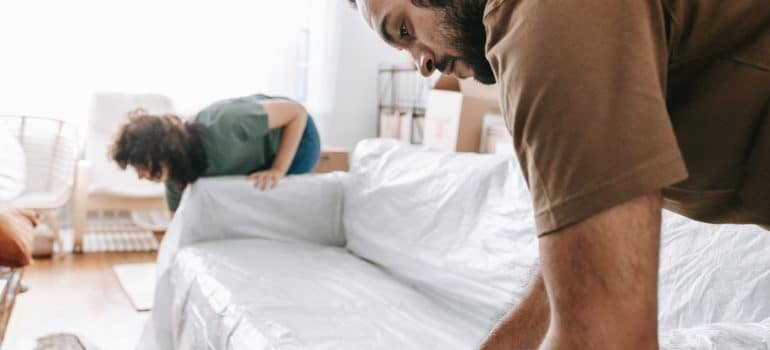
150	143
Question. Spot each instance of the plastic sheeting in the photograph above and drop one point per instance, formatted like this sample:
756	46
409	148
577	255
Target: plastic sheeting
259	294
720	336
448	243
712	273
300	209
458	226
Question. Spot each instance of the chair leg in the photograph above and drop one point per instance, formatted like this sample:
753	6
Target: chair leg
81	204
50	220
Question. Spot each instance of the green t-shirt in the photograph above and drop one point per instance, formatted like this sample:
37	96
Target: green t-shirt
237	140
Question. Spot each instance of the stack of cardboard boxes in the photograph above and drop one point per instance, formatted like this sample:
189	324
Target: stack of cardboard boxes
461	116
455	115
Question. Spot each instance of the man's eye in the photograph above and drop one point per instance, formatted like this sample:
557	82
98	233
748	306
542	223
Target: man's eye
403	31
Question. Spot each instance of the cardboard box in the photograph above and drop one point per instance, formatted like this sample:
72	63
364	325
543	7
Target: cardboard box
333	159
396	125
495	137
454	116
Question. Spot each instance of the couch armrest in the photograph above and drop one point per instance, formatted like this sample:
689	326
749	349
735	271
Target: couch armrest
304	208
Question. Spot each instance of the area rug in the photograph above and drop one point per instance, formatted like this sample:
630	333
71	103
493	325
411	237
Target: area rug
117	232
138	282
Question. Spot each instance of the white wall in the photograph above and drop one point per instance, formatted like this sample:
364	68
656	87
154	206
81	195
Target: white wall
55	54
345	103
52	62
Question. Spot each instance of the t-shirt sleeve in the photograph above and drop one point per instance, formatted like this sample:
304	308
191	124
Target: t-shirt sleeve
173	196
583	90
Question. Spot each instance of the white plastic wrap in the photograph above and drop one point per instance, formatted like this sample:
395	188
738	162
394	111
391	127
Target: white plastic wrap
449	243
720	336
300	209
304	208
458	226
257	294
713	273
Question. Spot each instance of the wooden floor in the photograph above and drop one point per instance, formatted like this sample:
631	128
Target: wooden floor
77	294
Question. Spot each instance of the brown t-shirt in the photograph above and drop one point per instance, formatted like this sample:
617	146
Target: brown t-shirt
611	100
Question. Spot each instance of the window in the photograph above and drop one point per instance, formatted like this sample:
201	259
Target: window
55	54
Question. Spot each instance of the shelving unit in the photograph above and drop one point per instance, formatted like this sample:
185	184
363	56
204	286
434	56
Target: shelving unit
401	91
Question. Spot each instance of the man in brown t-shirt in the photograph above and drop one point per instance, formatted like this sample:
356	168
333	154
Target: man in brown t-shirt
617	109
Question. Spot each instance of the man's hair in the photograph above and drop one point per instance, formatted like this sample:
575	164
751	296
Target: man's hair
419	3
151	142
432	3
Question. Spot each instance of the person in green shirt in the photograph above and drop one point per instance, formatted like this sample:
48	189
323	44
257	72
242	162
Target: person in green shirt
260	136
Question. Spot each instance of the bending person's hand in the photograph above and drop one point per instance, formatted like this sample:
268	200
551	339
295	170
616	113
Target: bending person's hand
266	179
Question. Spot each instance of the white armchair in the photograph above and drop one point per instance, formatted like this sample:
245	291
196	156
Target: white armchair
51	148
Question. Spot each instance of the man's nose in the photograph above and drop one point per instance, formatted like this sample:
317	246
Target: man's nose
425	62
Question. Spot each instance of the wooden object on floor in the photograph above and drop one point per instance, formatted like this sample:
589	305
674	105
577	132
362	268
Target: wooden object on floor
11	286
77	294
332	159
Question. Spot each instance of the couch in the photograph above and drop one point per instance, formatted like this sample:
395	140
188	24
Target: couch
412	249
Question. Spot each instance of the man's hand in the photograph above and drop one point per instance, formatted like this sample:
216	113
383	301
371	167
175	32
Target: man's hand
267	179
525	327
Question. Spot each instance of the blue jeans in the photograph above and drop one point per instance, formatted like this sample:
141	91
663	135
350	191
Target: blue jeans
309	150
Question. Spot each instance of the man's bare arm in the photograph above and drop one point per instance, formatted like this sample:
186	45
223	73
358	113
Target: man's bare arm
600	278
526	325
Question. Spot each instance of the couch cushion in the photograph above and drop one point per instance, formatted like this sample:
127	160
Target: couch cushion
258	294
457	226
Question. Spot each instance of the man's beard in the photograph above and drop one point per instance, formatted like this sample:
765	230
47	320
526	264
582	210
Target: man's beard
462	21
